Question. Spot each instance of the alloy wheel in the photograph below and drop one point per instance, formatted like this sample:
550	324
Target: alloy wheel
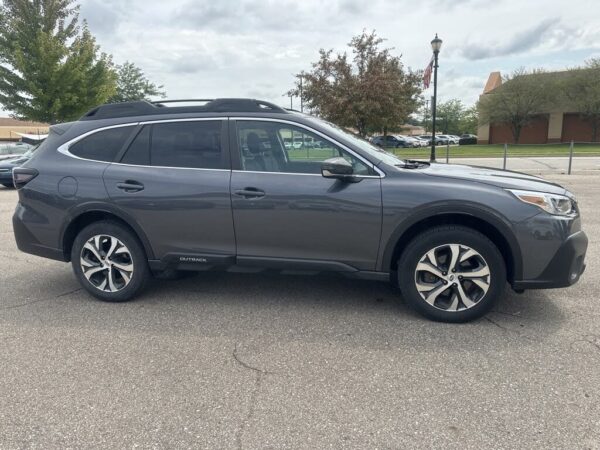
106	263
452	277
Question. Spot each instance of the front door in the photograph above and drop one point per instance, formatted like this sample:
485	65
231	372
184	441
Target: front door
286	214
174	181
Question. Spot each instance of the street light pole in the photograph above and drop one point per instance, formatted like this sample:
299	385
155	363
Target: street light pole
436	45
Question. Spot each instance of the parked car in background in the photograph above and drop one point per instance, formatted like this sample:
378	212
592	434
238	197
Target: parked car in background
390	140
442	139
423	141
7	166
416	143
426	138
13	149
454	139
468	139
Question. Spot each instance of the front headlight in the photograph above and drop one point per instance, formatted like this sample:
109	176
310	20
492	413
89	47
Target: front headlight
560	205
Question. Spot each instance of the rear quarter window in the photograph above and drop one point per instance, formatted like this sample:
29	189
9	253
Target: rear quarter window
103	145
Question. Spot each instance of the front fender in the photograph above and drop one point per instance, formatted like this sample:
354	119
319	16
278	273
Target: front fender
437	210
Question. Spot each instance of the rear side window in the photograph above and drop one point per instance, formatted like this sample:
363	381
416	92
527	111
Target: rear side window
101	146
194	144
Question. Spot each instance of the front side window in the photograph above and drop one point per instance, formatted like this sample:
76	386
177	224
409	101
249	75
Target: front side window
103	145
279	147
188	144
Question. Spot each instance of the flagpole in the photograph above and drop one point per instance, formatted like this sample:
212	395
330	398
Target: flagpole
436	44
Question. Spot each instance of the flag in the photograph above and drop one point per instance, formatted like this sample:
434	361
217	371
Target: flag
427	74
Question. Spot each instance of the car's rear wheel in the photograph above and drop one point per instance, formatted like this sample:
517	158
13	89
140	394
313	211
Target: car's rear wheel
451	274
109	261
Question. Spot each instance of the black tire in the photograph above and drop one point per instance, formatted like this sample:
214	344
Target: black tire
8	185
438	237
136	255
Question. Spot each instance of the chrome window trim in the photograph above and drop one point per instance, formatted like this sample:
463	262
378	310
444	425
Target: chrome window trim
64	148
322	135
168	167
376	177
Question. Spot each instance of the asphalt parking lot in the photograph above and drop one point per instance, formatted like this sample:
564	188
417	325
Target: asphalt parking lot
269	361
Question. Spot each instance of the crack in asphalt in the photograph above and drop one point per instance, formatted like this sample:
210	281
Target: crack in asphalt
39	300
511	330
591	339
260	375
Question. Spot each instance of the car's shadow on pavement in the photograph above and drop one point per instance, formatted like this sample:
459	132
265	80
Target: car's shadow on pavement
274	307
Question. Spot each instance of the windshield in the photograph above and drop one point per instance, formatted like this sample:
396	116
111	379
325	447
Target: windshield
376	152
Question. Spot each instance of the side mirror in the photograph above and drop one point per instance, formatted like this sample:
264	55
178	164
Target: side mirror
337	168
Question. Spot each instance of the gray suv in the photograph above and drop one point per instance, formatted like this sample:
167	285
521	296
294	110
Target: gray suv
140	189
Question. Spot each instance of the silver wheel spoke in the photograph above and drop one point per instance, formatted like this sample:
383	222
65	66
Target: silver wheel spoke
463	296
482	272
482	284
455	252
426	267
93	270
94	250
111	281
102	286
113	245
454	305
86	263
434	294
125	276
123	267
468	254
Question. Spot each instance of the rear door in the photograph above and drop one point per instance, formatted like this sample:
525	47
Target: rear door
173	179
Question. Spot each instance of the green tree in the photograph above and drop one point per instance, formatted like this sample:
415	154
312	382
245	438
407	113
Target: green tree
132	85
449	116
582	91
469	121
517	101
50	66
370	92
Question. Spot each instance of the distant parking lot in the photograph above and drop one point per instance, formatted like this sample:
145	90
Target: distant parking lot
225	360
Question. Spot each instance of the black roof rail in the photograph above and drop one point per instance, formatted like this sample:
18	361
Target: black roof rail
144	108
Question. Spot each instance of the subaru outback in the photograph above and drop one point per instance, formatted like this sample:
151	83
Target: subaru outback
140	189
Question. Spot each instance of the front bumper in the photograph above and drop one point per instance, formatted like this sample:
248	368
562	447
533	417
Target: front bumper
565	268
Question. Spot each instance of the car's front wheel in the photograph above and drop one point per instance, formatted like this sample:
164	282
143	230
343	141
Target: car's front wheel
451	274
109	261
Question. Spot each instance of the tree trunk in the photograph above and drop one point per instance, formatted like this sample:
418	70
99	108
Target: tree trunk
595	126
516	132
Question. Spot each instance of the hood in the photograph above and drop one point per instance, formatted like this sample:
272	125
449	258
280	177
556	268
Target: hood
501	178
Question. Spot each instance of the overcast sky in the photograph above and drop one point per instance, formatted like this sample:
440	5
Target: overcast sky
252	48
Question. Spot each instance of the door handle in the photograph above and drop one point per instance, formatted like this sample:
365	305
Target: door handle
250	193
130	186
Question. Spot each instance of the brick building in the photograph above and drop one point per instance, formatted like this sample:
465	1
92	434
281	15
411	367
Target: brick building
560	123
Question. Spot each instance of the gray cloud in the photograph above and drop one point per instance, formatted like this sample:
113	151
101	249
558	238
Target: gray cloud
520	42
105	16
